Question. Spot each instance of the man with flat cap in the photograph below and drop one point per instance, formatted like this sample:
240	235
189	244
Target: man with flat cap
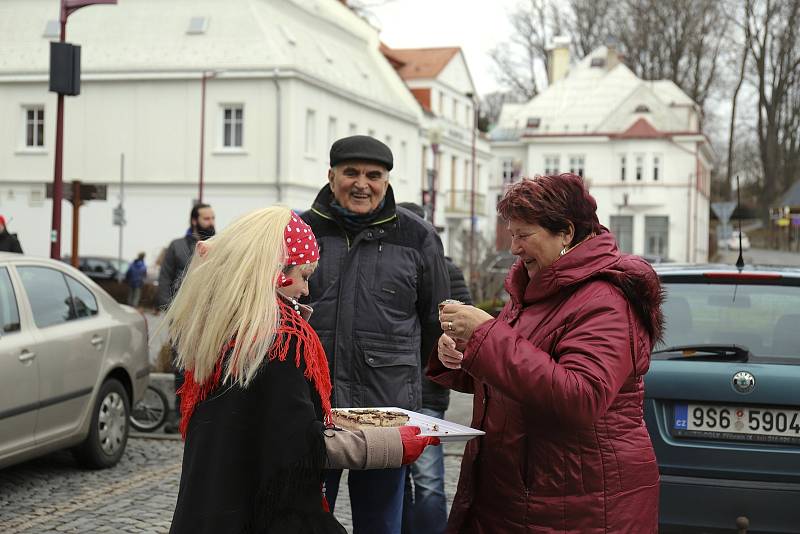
381	276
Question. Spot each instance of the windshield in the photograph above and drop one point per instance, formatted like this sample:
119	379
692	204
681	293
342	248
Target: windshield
763	318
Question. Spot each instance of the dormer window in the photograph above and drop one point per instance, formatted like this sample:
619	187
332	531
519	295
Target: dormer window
641	108
197	25
533	122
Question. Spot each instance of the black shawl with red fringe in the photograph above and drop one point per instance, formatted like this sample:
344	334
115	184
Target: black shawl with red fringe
254	456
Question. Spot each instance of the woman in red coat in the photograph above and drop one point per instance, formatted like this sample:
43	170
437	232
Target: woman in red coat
557	377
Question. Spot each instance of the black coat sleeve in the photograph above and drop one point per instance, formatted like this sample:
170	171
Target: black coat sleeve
166	276
433	288
458	286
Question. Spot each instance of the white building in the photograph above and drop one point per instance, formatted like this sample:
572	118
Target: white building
284	79
440	80
638	144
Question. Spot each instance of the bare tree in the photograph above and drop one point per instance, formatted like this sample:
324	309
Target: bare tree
678	40
775	51
364	8
519	61
492	104
728	184
589	23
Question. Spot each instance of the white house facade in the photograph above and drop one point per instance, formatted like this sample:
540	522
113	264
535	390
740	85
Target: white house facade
452	148
637	143
283	79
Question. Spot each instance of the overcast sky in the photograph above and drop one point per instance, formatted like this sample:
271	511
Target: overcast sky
474	25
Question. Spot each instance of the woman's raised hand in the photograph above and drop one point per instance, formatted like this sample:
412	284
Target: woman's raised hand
459	321
449	355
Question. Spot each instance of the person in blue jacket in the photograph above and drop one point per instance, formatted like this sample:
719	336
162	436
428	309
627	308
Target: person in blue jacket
134	277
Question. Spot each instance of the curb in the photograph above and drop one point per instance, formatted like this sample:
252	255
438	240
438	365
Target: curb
154	435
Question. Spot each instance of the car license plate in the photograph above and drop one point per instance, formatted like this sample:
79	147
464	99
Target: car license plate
740	423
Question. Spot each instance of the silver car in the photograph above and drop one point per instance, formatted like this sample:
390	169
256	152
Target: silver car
72	361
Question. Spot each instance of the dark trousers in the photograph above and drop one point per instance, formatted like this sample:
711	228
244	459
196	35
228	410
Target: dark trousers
376	498
425	509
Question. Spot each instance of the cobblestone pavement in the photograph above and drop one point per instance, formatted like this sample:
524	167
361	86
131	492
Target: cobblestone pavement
52	495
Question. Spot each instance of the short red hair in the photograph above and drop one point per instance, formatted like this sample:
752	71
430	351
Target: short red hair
552	202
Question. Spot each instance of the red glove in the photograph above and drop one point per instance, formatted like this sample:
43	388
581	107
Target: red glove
413	444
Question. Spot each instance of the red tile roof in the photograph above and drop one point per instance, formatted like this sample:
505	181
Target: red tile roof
641	129
423	96
413	63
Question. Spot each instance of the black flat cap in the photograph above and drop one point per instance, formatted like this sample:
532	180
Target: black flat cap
361	147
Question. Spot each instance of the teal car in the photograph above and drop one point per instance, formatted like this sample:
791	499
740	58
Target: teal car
722	400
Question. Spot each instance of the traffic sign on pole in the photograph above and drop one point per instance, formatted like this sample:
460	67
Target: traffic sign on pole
723	211
119	216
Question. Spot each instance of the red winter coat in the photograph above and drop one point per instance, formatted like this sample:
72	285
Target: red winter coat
557	379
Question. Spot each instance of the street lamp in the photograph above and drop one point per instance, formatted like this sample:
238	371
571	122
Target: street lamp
435	137
472	221
68	7
205	76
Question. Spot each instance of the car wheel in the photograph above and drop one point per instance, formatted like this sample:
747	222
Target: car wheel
108	433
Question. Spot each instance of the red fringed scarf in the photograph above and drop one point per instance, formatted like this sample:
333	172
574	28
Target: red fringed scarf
309	350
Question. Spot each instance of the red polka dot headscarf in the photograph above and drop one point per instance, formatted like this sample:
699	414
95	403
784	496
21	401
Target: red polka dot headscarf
300	244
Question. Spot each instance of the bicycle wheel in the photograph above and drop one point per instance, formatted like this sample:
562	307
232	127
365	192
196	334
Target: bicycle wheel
150	412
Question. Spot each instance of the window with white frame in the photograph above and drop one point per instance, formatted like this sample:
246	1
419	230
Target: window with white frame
656	235
639	168
656	167
34	126
551	164
468	115
508	171
622	228
333	130
311	132
353	130
623	167
576	165
441	104
232	125
388	141
455	110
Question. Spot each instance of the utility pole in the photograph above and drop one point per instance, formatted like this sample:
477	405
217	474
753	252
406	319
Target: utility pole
76	211
121	209
472	218
202	134
203	79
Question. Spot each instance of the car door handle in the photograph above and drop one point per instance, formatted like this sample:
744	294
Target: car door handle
26	356
97	341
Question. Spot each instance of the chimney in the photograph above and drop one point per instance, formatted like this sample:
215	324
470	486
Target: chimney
612	54
558	59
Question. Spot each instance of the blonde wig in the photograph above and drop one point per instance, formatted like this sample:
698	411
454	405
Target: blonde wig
229	292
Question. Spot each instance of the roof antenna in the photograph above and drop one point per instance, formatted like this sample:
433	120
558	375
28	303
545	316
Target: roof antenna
740	261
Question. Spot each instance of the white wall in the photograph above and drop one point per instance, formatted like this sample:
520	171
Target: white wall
156	124
673	195
311	169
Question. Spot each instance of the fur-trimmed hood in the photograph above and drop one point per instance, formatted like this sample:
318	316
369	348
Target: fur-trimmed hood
595	258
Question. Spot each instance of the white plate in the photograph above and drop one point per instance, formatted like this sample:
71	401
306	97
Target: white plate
433	426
